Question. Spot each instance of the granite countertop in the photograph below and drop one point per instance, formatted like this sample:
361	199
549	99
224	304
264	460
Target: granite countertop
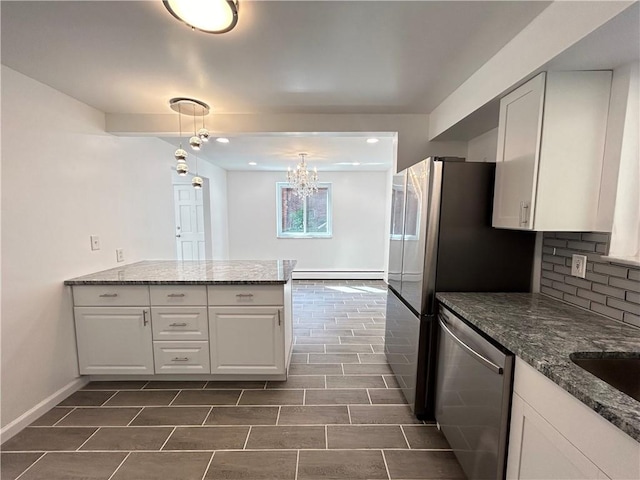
207	272
544	332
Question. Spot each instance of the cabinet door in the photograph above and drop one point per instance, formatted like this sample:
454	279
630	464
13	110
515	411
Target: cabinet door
537	451
518	153
246	340
114	340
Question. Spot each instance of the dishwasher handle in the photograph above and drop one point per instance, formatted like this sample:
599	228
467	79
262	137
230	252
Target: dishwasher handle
483	360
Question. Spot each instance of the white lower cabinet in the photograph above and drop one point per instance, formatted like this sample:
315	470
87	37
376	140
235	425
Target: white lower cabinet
114	340
181	357
555	436
247	340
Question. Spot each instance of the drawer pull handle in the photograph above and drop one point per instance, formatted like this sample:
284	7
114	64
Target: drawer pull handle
244	295
180	359
175	295
109	295
145	322
183	324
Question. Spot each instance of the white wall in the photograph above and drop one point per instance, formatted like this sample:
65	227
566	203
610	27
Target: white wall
483	148
360	211
218	208
63	180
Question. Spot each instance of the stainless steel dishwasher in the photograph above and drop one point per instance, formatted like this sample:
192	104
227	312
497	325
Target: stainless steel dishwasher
473	397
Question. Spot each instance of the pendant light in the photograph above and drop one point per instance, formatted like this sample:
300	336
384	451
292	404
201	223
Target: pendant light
203	133
195	141
196	181
196	108
181	155
304	182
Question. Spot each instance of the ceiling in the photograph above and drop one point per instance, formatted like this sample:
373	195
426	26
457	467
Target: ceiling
277	152
283	57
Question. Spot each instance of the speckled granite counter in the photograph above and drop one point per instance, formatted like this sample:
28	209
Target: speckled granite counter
544	332
208	272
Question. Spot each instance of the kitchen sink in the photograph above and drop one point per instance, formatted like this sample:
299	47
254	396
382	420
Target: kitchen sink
622	373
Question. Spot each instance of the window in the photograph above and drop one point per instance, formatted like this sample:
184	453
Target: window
304	218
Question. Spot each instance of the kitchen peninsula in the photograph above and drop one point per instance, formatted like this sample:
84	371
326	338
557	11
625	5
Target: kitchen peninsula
185	320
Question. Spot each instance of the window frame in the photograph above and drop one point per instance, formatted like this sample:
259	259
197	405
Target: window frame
280	234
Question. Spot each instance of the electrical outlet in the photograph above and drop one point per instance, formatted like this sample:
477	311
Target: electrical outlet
578	265
95	242
120	254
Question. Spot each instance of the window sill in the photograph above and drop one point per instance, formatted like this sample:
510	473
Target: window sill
632	261
309	237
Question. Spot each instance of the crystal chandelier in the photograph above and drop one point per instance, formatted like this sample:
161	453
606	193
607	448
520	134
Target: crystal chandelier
303	181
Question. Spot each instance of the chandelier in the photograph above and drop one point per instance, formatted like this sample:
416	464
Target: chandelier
303	182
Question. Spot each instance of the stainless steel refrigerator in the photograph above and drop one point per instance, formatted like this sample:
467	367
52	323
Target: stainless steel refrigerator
441	239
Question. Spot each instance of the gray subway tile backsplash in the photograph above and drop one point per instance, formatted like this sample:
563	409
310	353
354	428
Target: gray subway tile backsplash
609	289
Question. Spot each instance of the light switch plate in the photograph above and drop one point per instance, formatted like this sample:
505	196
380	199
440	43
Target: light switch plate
120	254
578	265
95	242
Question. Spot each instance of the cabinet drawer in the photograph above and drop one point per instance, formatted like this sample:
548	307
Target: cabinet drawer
179	323
246	295
110	295
178	295
181	357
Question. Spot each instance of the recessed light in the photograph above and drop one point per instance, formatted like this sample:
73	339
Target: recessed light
253	164
222	140
355	163
372	140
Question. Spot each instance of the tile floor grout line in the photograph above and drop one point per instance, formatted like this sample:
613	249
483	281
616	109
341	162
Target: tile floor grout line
304	397
207	416
206	470
386	385
246	440
384	459
369	396
278	416
174	398
71	410
326	437
105	402
118	467
349	412
90	437
167	439
405	437
31	466
239	397
135	416
297	463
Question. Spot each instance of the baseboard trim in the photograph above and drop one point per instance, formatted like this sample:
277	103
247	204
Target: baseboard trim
11	429
338	275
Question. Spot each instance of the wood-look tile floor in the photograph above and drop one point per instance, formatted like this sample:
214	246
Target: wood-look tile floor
339	415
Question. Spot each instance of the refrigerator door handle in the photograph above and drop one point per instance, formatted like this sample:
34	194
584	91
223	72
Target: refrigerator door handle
483	360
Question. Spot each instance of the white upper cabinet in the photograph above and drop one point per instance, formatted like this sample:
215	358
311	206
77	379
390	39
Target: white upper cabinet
551	139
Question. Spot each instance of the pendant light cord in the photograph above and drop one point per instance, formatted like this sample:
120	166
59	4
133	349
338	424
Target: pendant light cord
180	122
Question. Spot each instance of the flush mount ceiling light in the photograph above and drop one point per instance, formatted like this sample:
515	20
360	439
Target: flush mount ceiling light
209	16
222	140
372	140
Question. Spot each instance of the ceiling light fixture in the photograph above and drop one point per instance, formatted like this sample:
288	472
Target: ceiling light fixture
222	140
195	108
372	140
253	164
303	181
196	181
209	16
203	133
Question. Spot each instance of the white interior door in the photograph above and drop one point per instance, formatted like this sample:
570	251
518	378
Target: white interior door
189	214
